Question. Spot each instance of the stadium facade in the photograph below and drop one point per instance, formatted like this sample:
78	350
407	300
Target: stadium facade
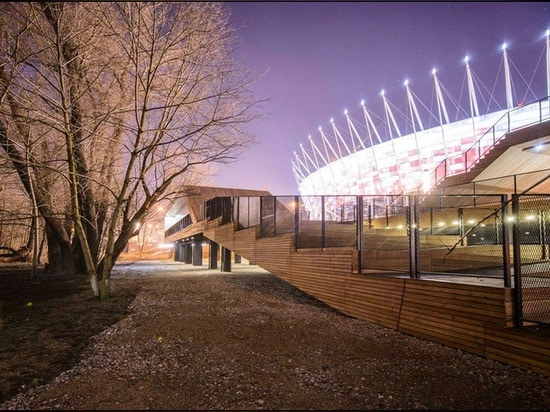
373	157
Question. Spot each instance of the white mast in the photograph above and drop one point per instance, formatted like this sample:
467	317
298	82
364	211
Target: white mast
301	164
313	163
327	142
474	110
316	150
353	132
327	160
414	114
508	80
412	107
441	108
371	124
298	174
389	115
307	157
339	136
355	135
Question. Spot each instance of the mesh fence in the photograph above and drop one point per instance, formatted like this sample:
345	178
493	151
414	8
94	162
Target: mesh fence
326	221
443	235
532	266
385	242
461	235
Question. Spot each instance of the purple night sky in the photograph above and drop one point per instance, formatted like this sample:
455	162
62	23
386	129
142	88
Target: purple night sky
322	58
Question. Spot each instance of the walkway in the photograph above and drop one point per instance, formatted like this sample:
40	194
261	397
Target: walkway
202	339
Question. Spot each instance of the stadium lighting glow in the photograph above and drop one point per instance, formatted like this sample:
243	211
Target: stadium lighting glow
320	128
406	82
434	71
331	120
346	112
382	93
503	46
362	102
466	59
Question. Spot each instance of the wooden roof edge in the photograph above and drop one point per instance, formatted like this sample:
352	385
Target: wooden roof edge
191	194
214	191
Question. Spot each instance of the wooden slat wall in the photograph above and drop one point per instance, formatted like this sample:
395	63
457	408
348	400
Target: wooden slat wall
473	318
453	314
519	347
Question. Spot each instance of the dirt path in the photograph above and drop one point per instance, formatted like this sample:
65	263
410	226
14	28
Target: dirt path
201	339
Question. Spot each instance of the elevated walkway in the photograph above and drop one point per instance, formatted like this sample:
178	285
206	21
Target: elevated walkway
517	162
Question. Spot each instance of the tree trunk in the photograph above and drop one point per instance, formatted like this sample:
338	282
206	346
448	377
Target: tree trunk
61	258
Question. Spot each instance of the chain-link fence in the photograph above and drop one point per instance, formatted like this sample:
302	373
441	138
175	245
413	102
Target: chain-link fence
481	236
531	257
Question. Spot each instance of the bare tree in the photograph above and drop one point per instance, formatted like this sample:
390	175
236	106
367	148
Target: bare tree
116	106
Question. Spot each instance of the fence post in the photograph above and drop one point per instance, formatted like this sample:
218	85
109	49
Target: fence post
296	221
543	234
261	216
274	215
461	225
359	221
413	237
323	240
370	215
507	274
518	312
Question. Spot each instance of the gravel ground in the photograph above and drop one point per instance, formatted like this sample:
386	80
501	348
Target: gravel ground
201	339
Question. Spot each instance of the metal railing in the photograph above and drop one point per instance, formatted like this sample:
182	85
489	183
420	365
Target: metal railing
512	120
420	235
451	236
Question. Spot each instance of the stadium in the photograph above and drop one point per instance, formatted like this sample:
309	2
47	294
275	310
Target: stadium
372	156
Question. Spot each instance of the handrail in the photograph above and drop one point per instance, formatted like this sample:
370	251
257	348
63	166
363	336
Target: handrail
477	145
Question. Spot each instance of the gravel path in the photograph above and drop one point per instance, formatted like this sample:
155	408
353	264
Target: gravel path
200	339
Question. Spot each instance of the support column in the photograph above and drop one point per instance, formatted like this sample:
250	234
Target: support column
177	252
187	255
213	258
197	252
226	260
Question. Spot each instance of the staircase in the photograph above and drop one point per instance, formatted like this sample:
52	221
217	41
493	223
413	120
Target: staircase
513	138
